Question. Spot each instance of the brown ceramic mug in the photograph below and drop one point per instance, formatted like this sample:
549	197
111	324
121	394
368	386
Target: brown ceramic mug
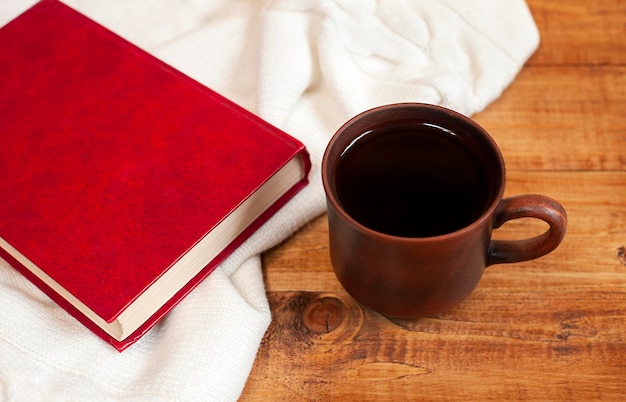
413	193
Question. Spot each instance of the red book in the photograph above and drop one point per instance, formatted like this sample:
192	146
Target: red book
123	182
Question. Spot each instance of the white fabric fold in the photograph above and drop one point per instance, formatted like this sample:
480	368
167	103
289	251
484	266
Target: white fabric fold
306	66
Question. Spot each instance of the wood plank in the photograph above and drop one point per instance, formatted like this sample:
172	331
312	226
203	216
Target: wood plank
579	32
313	352
569	118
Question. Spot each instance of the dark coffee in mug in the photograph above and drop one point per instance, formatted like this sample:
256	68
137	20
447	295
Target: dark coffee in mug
412	179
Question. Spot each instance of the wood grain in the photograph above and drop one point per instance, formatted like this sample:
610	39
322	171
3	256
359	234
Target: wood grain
571	118
579	32
549	329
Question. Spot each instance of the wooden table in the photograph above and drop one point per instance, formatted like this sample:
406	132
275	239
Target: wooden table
549	329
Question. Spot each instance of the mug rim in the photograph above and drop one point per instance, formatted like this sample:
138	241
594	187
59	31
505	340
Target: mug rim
488	212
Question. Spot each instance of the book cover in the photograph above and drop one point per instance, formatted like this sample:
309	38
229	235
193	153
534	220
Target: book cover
123	182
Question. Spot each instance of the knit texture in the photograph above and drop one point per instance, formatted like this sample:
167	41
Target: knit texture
306	66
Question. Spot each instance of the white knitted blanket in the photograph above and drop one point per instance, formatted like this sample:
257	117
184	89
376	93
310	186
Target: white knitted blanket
306	66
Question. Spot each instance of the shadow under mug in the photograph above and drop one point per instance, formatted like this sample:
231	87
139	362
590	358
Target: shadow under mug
412	276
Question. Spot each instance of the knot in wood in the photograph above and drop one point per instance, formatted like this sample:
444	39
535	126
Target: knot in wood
324	315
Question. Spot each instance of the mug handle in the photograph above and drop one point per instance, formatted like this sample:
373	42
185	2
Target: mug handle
527	206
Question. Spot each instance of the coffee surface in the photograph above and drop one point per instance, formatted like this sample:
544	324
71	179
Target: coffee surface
412	180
